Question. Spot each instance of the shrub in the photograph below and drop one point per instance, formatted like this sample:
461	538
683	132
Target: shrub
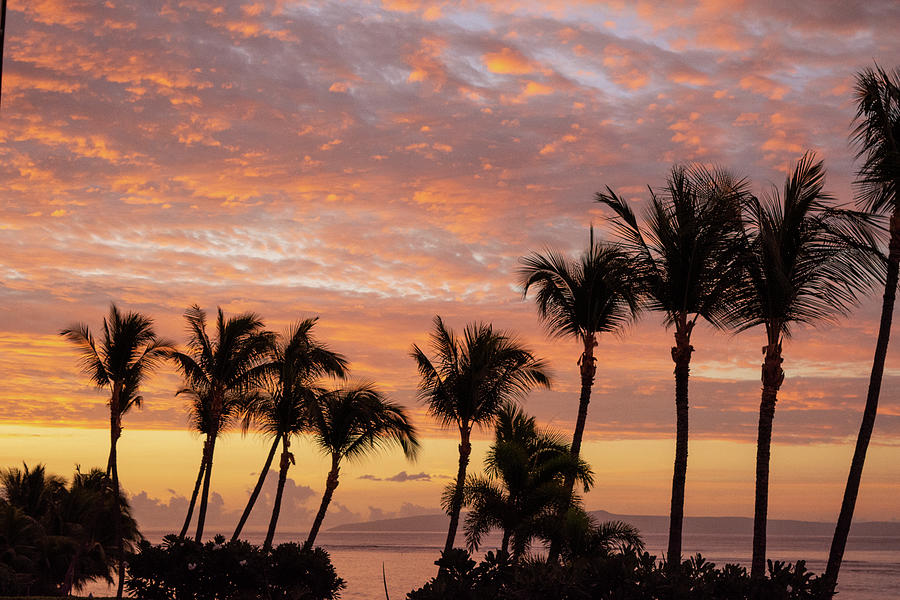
180	569
625	575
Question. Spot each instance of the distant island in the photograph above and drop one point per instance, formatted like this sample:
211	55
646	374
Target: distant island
650	524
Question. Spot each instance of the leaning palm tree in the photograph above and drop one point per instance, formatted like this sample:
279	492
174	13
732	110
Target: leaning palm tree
218	373
127	353
877	136
281	409
524	486
805	263
683	256
468	383
350	423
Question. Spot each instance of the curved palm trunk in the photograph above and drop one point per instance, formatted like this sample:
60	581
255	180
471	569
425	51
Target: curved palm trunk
504	545
256	490
772	378
330	485
681	355
465	450
204	497
286	460
115	432
842	529
588	369
190	512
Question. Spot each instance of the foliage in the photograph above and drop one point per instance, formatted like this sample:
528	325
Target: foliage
628	574
56	537
524	487
186	570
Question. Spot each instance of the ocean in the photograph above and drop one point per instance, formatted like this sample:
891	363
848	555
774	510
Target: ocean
871	568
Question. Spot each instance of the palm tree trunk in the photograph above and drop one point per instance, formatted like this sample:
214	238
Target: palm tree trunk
588	369
330	484
772	378
255	494
504	545
115	432
842	529
465	450
286	459
204	497
681	354
190	512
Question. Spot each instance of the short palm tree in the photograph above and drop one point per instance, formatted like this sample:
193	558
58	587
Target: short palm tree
281	408
348	424
683	256
805	263
467	384
218	375
128	352
524	487
877	137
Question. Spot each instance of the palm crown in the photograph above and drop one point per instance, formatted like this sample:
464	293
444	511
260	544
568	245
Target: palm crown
684	254
877	137
594	294
473	377
806	261
128	351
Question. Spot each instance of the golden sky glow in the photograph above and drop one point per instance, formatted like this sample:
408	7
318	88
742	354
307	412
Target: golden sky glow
376	164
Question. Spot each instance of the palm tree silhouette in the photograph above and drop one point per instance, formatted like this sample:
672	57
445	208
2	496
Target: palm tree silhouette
281	409
524	487
349	423
218	374
805	262
684	259
877	136
128	352
468	383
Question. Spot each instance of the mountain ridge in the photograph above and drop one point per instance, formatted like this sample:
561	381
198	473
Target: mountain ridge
649	524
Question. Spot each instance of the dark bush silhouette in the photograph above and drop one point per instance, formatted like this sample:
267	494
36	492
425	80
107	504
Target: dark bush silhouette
183	569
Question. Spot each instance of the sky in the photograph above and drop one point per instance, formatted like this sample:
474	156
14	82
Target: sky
376	164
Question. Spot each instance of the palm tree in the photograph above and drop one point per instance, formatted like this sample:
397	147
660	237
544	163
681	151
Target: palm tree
468	383
877	136
684	259
218	374
349	423
57	538
299	360
524	487
805	262
128	352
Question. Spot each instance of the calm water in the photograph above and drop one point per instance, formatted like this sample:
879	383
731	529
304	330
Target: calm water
871	569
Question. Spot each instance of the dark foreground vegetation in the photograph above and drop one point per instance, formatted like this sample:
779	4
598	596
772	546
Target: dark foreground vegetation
218	570
626	575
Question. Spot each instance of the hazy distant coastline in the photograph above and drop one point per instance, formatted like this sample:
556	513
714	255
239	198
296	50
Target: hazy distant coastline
650	524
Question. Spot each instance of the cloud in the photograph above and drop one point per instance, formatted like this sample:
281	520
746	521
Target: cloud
403	476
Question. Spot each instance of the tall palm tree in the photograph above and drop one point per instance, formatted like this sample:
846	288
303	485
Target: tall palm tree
581	299
348	424
127	353
805	262
683	256
877	137
467	384
218	374
281	410
524	486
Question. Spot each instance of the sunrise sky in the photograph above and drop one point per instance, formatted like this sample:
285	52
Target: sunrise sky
379	163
